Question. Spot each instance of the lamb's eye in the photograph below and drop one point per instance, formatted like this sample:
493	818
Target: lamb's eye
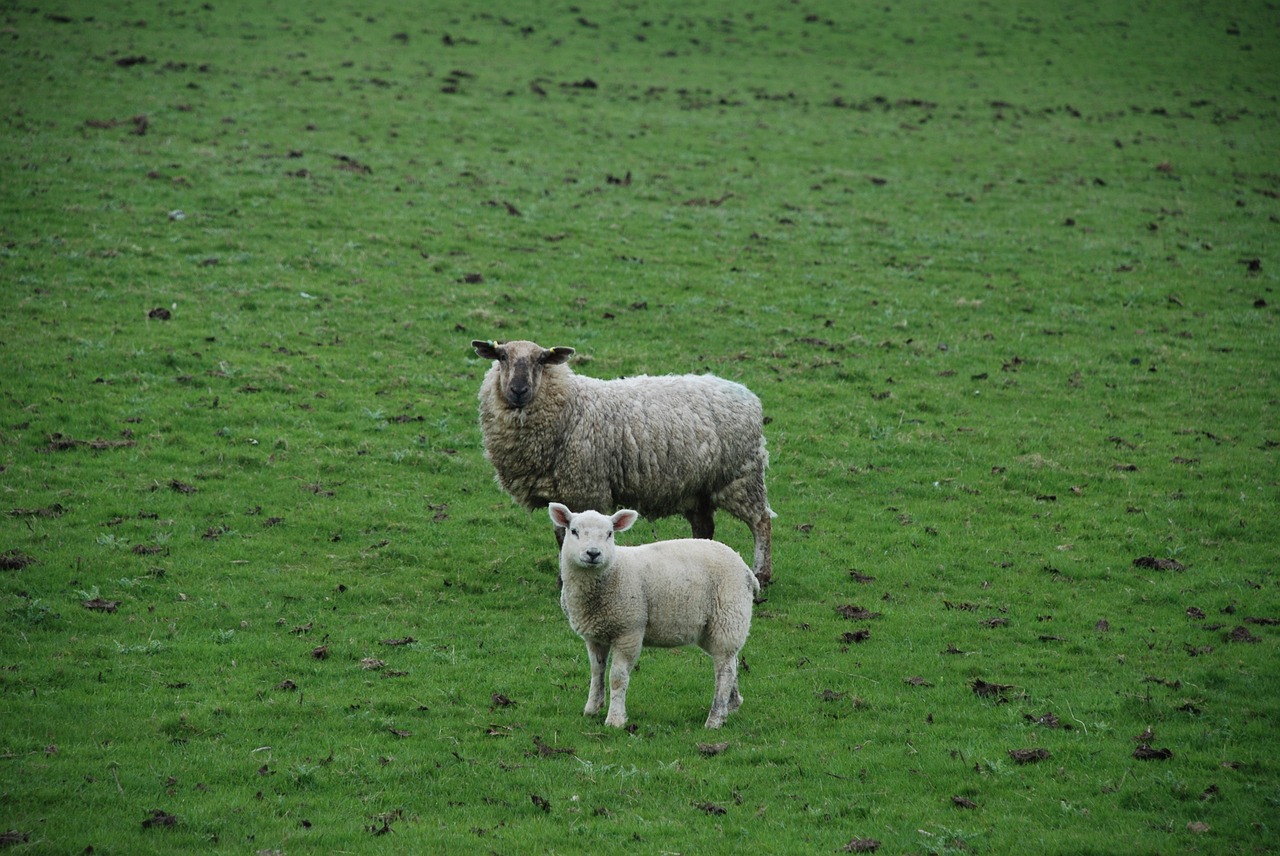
573	532
609	536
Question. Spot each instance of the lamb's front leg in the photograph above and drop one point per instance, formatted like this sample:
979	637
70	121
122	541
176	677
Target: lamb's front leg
598	654
625	653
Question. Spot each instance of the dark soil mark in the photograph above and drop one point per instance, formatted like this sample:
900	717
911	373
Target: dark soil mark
1029	756
1242	634
1154	564
985	689
55	510
1049	720
1146	753
61	443
545	751
15	560
158	818
350	164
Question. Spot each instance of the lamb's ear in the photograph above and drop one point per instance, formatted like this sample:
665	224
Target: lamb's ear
488	350
624	519
556	356
560	514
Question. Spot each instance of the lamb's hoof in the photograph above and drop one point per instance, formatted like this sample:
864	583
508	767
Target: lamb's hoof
715	721
615	723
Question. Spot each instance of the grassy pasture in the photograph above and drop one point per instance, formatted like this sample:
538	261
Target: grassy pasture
1004	278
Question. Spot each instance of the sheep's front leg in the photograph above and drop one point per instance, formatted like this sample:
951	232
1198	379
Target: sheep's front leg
702	520
625	653
598	654
726	696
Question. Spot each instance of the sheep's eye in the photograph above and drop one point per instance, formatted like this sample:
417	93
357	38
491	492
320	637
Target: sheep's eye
573	532
609	536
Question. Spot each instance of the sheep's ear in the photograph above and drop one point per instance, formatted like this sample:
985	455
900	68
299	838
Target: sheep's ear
488	350
624	519
556	356
560	514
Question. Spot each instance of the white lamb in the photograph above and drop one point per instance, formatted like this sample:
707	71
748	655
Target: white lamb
675	444
666	594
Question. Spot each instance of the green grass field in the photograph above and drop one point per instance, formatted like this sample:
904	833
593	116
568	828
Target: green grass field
1003	276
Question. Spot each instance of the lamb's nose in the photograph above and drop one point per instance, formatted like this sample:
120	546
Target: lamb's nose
593	555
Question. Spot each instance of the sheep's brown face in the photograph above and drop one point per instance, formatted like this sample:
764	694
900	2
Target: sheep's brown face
520	366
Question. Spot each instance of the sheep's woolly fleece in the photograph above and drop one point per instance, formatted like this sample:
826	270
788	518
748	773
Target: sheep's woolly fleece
674	444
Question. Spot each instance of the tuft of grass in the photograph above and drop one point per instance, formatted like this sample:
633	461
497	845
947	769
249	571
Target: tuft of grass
1004	280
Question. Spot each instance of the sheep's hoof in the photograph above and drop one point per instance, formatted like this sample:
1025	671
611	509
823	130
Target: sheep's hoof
615	722
715	721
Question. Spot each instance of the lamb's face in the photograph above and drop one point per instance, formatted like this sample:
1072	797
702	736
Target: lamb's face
520	366
588	537
588	541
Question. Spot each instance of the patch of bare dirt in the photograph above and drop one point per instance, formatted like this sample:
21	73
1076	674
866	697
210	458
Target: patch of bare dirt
15	560
1030	756
1153	564
856	613
545	751
159	819
1146	753
997	692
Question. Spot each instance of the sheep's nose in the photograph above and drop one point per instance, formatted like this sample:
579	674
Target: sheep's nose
518	394
593	555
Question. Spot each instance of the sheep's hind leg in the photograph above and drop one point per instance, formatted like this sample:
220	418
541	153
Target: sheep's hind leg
598	654
745	499
762	530
723	703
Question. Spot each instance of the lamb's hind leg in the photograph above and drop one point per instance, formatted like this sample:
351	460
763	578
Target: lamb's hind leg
722	703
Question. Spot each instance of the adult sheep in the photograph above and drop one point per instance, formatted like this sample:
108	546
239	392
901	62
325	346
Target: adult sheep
675	444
